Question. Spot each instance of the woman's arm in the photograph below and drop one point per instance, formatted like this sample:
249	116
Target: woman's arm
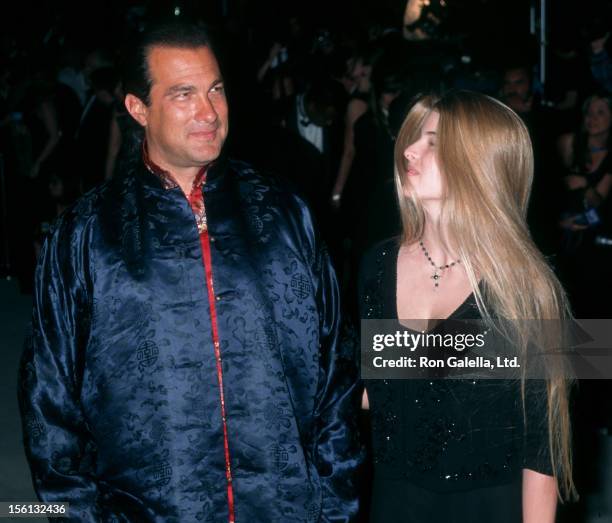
595	196
539	497
354	111
565	148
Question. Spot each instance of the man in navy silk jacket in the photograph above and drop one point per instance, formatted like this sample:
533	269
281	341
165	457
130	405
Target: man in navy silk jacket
184	362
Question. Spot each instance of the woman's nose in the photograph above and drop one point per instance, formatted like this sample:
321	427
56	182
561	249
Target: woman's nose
409	154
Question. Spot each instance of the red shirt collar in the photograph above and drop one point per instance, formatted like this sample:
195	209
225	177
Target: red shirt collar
167	180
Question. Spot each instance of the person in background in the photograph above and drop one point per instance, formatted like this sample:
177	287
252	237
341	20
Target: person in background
516	91
369	211
375	134
357	107
585	156
546	191
313	117
596	33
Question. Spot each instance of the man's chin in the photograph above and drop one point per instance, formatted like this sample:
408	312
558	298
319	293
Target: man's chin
205	151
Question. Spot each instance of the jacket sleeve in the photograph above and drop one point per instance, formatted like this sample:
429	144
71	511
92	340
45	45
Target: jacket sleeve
337	447
56	439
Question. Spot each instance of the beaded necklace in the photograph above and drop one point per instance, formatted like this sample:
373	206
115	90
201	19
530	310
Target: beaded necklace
437	269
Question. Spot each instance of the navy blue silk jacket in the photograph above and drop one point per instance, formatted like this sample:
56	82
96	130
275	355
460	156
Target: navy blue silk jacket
119	390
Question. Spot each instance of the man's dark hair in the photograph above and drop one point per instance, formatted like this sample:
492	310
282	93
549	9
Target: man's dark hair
136	75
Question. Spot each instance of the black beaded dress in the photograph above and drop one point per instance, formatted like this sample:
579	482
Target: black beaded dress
447	450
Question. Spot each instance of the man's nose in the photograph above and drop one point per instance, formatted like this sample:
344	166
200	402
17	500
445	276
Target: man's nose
205	111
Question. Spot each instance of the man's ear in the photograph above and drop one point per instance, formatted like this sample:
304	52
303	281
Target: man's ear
137	108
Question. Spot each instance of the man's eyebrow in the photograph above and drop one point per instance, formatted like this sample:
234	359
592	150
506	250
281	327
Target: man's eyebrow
186	88
180	89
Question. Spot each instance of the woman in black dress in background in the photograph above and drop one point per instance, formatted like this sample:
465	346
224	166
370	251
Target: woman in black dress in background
465	450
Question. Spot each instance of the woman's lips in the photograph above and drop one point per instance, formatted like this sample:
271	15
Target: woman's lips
412	172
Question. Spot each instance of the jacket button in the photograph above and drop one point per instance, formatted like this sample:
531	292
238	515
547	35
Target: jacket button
217	298
212	239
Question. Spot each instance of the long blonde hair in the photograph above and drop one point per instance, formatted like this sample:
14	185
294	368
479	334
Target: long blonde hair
485	157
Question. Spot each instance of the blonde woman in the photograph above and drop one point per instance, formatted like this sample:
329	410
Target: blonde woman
466	450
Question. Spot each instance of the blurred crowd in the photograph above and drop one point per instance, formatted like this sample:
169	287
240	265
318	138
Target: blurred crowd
316	96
